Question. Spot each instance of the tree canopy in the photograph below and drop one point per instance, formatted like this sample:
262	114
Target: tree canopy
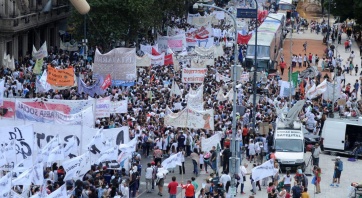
113	20
345	9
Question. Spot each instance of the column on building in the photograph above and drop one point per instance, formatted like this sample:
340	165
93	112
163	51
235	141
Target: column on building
15	46
25	44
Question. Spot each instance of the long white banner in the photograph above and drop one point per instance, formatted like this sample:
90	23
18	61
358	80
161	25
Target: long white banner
176	43
193	75
191	118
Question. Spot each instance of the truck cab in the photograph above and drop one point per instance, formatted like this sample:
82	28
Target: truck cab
289	145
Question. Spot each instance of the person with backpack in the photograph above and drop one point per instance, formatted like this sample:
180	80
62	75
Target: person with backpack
338	168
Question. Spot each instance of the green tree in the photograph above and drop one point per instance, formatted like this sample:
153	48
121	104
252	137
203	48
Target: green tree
113	20
345	9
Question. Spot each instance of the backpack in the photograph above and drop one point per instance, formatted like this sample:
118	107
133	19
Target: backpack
298	190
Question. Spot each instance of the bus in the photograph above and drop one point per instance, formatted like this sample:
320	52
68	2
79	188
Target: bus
286	6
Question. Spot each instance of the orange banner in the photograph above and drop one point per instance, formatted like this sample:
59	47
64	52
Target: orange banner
60	77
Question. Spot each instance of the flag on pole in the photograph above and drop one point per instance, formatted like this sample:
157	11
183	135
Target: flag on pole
25	178
60	192
263	171
129	147
175	89
172	161
107	82
56	154
3	160
38	174
10	151
71	147
38	66
5	184
97	140
109	155
73	166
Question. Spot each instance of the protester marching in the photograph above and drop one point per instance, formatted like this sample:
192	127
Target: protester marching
120	123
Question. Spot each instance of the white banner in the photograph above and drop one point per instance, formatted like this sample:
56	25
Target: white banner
24	141
220	77
72	166
176	43
157	60
148	48
208	143
175	90
109	155
27	112
244	77
336	88
191	118
71	147
263	171
57	154
205	55
5	185
195	100
2	89
120	62
68	46
172	161
25	178
193	75
41	53
129	146
15	194
103	106
191	16
60	192
144	61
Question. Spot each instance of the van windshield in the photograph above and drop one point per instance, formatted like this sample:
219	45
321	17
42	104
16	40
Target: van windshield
288	145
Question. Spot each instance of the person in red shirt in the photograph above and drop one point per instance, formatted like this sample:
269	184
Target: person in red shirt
172	187
189	189
282	66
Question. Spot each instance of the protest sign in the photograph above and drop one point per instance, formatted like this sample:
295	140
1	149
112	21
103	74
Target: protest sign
176	43
195	99
192	119
158	59
103	106
119	106
148	48
120	62
263	171
60	77
144	61
193	75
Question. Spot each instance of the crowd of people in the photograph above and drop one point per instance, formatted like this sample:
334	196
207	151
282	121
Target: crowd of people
149	99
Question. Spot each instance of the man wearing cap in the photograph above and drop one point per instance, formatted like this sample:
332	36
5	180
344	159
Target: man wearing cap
315	154
338	168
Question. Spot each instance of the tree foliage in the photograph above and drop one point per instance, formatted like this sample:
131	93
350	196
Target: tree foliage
345	9
113	20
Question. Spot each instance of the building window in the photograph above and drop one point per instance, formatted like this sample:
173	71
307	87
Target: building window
9	48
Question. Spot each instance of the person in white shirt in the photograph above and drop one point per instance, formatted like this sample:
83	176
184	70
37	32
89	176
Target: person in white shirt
148	176
224	178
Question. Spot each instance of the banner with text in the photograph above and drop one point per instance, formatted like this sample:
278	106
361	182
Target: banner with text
193	75
176	43
103	106
119	106
60	77
120	62
191	118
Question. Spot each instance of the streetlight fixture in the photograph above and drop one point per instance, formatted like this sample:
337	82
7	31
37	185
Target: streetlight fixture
234	78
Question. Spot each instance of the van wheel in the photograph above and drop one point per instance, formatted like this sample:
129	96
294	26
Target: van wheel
333	153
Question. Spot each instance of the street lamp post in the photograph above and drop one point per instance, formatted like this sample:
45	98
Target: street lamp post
255	66
234	78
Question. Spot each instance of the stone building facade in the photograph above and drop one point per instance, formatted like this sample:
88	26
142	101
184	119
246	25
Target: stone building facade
24	23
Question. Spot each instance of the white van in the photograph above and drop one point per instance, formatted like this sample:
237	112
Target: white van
289	145
341	135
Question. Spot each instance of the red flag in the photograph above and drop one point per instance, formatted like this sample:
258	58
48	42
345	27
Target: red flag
155	52
107	82
244	39
168	60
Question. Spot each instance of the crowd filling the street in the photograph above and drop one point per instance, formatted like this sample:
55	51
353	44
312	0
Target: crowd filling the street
179	115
